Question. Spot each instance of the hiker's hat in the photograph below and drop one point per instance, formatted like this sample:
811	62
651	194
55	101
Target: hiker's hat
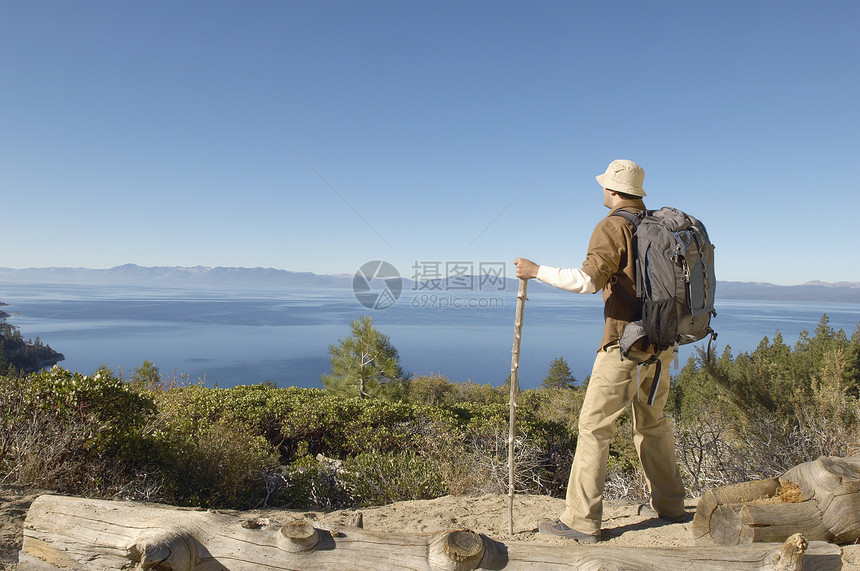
623	176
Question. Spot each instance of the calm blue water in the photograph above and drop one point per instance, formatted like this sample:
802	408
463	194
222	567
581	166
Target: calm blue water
246	335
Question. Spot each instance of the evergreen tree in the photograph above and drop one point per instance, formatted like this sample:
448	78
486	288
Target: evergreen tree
147	375
559	375
365	364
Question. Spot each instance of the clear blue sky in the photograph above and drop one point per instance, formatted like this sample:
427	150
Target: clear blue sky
315	136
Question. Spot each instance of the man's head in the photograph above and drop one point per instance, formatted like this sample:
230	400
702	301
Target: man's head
623	176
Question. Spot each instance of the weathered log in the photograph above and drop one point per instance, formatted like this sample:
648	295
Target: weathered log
828	508
715	518
97	535
834	484
775	522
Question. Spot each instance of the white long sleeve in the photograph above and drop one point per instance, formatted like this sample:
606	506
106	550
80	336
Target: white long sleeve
570	279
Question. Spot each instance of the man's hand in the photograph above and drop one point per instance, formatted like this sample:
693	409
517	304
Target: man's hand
526	269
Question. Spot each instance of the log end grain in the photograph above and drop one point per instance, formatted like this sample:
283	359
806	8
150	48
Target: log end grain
298	535
456	550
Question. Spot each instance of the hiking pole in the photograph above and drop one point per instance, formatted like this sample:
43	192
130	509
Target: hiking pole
515	366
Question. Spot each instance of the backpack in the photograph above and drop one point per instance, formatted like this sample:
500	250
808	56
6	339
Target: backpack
675	281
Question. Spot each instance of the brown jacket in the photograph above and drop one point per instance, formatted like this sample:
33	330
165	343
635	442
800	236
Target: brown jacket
610	265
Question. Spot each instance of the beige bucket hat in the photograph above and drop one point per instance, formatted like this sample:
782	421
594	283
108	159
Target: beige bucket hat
623	176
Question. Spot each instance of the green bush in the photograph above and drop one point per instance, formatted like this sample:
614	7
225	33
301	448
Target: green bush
430	390
450	440
219	465
75	433
113	412
378	478
306	483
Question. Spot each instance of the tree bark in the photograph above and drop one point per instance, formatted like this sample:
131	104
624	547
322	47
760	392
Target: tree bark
98	535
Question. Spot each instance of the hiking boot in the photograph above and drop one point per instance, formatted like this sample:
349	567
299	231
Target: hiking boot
559	529
646	510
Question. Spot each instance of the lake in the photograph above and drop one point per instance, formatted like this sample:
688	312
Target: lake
228	336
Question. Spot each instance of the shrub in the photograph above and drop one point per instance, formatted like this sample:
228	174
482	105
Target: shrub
430	390
76	433
377	478
219	465
306	483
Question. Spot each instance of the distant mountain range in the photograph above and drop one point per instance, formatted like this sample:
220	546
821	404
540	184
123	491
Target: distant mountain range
132	273
815	291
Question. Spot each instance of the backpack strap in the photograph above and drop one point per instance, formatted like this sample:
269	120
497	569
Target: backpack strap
634	331
709	354
654	383
631	217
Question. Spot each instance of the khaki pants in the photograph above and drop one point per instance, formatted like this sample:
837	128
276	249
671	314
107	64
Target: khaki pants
611	388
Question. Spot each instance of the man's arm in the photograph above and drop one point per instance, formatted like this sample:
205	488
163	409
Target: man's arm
570	279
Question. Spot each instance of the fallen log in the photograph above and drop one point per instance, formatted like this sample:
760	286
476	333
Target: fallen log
822	502
76	533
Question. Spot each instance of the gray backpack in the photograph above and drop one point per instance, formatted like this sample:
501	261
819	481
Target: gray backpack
675	280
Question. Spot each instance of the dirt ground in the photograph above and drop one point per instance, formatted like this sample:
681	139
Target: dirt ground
14	503
484	514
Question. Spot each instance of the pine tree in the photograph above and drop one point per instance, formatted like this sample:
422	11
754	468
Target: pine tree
559	375
365	364
147	375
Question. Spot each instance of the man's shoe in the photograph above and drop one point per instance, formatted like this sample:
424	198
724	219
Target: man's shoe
647	511
559	529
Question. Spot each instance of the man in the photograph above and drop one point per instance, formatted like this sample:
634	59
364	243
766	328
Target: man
615	382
